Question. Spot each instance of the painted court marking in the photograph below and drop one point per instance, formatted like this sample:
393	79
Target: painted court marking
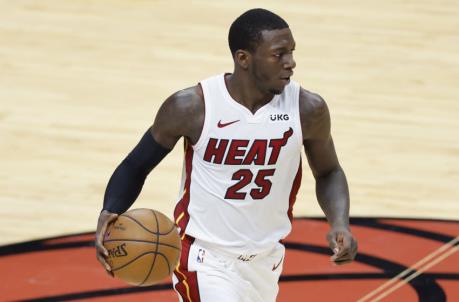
401	277
306	269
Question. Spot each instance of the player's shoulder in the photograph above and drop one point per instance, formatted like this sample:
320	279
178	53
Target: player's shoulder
187	98
186	101
181	114
314	112
311	104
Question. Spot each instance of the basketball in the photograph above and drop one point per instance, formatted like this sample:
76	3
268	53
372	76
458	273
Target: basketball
143	247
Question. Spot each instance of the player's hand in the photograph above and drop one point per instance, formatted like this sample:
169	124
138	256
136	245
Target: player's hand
105	218
343	244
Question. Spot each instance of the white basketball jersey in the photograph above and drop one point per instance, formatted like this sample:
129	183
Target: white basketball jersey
241	178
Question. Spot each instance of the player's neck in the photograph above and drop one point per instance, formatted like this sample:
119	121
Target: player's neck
244	91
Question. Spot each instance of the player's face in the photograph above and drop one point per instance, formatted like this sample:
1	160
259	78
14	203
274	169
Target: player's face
273	64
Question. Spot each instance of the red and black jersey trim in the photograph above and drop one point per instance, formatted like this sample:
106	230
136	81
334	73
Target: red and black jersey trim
187	285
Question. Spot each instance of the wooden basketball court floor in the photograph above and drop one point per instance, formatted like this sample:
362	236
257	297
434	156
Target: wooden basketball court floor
80	81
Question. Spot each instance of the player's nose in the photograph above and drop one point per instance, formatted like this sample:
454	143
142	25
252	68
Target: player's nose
289	62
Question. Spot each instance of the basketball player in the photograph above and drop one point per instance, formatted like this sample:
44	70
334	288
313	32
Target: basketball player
243	134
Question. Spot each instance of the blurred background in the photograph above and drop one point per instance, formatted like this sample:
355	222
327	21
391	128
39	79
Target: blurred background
81	81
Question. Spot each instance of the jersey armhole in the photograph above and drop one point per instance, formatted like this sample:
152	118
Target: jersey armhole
205	126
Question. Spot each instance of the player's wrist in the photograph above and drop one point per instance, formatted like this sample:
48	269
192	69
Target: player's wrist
340	225
105	211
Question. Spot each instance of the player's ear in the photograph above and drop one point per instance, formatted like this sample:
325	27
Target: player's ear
242	58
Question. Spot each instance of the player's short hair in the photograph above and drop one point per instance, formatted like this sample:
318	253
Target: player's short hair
245	32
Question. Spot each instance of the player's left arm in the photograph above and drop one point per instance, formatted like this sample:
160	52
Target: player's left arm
331	185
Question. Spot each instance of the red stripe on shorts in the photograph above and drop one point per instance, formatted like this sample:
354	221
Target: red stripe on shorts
187	285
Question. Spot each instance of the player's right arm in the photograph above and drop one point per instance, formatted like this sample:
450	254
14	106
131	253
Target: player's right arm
181	115
331	185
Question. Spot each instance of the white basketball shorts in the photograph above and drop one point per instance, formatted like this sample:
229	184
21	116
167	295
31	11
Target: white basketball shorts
208	274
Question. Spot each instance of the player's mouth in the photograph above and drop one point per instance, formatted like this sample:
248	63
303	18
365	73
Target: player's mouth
286	79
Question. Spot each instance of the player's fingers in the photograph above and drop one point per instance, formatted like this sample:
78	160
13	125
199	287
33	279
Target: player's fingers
100	248
348	254
341	249
103	223
345	244
340	256
354	248
332	243
99	242
342	259
104	263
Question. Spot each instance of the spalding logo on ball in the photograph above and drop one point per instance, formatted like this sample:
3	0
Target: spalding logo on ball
143	247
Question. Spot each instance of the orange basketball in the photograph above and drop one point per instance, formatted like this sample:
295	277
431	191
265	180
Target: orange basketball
143	246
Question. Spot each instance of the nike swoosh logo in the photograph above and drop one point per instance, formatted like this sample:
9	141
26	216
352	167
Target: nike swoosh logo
276	266
221	125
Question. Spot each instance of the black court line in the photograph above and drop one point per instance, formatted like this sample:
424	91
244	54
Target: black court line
42	245
375	223
357	276
425	285
101	293
285	278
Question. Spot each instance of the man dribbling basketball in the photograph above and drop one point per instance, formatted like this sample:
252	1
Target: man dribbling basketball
243	133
